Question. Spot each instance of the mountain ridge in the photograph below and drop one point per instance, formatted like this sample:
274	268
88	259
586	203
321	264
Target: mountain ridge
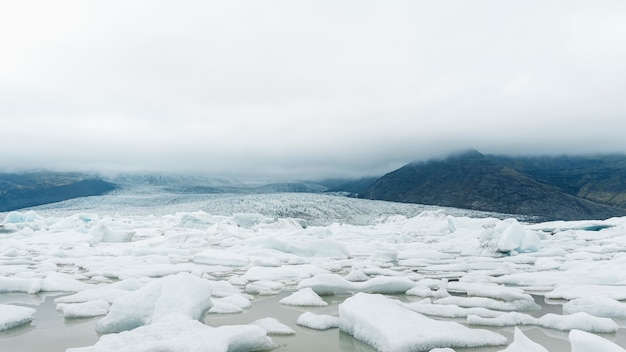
475	181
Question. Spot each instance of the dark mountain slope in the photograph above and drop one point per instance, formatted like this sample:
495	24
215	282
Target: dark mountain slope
348	185
473	181
599	178
26	190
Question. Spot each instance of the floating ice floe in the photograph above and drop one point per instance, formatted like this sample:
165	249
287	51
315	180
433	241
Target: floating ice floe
102	233
106	292
12	316
304	297
317	321
184	336
235	303
578	321
388	327
521	343
572	291
181	296
52	282
220	257
274	327
83	310
490	291
449	310
579	340
310	248
599	306
328	284
489	303
585	342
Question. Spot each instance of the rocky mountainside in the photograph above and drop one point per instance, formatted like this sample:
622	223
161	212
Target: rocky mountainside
531	186
30	189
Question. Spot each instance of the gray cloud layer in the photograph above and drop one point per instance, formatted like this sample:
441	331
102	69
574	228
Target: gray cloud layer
306	88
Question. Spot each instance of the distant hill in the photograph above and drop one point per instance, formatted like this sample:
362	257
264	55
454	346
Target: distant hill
355	186
565	188
36	188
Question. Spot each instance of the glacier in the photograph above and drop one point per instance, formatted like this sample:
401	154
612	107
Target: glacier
161	271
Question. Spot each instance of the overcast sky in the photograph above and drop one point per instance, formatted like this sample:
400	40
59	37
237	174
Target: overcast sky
305	89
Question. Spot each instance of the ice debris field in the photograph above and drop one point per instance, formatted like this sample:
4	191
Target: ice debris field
161	274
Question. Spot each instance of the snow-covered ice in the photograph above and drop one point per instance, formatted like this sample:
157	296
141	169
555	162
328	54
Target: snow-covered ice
181	296
599	306
12	316
585	342
274	327
155	264
576	321
184	336
304	297
317	321
388	327
521	343
85	309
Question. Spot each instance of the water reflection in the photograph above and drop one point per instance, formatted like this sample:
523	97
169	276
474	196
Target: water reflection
49	331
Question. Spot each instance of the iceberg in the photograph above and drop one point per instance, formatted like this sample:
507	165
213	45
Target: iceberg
12	316
304	297
521	343
329	284
388	327
599	306
177	297
84	310
274	327
184	336
317	321
585	342
577	321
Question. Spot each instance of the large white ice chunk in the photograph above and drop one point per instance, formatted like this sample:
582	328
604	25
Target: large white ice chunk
578	321
16	217
317	322
585	342
573	291
388	327
181	296
109	292
521	343
53	282
102	233
184	336
599	306
304	297
274	327
490	291
312	248
85	309
220	257
328	284
516	305
12	316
